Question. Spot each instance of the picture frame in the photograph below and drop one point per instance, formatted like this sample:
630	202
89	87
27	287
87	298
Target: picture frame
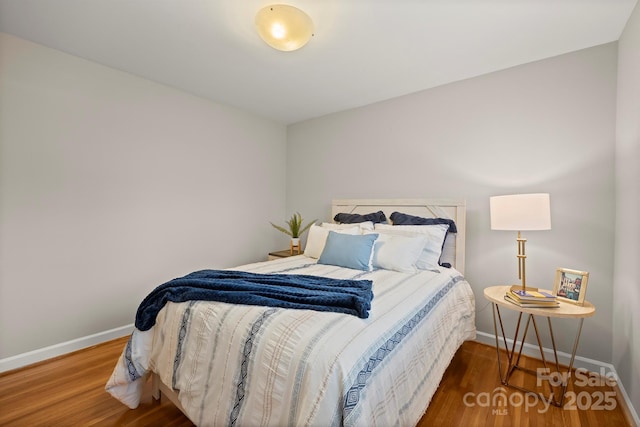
571	285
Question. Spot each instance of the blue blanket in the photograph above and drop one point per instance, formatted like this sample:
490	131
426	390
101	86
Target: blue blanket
273	290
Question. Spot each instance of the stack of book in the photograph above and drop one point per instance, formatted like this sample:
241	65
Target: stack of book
531	299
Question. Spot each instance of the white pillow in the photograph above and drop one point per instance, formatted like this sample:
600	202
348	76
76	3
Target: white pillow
435	235
364	226
398	253
318	237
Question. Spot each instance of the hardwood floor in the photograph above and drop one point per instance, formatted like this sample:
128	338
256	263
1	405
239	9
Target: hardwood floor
469	395
69	391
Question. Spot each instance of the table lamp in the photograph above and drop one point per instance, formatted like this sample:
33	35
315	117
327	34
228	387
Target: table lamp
520	212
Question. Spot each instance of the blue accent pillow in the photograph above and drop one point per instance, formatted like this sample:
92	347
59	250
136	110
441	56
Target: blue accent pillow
348	250
347	218
398	218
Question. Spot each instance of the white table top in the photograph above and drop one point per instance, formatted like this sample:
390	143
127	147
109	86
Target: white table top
496	294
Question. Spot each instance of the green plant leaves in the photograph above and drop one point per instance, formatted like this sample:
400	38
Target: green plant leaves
295	228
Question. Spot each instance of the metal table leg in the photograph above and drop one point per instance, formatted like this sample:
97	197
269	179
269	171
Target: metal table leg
513	358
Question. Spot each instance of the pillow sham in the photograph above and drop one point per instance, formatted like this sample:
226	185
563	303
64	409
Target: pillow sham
448	257
399	218
364	226
345	250
317	238
434	234
348	218
398	253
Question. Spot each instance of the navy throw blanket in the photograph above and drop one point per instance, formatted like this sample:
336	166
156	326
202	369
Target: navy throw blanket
273	290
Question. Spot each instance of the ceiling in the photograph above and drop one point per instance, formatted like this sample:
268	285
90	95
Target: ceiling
363	51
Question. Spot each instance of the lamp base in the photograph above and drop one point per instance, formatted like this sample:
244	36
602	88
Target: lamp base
527	288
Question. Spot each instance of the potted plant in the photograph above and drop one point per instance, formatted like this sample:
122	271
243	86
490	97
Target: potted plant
294	229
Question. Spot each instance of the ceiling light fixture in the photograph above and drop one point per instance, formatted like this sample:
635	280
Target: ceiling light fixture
284	27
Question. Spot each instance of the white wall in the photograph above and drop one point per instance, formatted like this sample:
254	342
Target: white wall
626	283
111	184
547	126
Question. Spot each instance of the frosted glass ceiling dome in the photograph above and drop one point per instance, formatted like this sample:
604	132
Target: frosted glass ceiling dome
284	27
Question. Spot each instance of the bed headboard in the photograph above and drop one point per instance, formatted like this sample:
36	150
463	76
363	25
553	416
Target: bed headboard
427	208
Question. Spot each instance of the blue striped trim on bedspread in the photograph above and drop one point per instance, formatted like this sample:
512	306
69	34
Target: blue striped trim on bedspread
246	355
128	361
352	396
182	334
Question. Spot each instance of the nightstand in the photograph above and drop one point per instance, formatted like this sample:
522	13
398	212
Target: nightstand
495	294
281	254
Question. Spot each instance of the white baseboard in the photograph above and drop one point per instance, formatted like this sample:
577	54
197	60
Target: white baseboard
590	365
24	359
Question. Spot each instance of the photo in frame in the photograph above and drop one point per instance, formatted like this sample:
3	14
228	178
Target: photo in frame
571	285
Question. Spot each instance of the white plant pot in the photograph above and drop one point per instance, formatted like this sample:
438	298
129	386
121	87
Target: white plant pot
295	244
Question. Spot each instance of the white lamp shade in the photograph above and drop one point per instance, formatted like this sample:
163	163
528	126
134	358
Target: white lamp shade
520	212
284	27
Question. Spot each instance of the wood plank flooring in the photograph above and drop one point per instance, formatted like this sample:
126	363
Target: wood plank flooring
69	391
469	395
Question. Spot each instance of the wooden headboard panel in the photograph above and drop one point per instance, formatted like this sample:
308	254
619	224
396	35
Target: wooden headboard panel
428	208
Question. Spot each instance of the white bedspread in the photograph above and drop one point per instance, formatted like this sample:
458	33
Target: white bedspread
257	366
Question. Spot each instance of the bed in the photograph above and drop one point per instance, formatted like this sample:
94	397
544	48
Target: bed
250	365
